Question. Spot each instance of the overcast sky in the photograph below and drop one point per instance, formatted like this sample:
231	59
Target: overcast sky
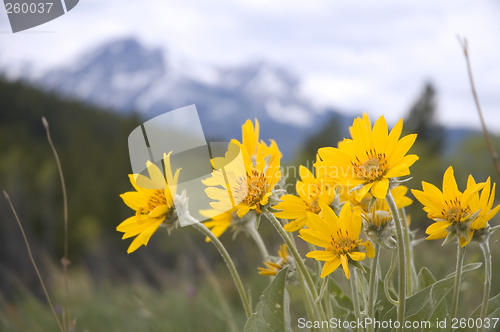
354	55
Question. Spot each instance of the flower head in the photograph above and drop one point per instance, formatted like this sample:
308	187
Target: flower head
246	184
311	192
339	236
370	158
272	268
153	202
453	211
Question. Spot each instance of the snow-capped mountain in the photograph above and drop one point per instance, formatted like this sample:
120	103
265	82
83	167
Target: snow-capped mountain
125	76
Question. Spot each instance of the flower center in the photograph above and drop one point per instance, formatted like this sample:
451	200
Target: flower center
256	186
313	206
155	200
455	213
372	169
343	245
313	192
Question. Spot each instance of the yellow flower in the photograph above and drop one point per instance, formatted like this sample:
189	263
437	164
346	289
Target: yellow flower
250	140
245	185
272	268
153	203
370	158
219	221
311	192
450	207
339	236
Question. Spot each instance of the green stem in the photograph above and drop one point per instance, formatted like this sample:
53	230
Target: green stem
402	256
234	273
458	278
317	264
410	267
328	302
485	247
298	261
308	300
355	294
372	296
254	233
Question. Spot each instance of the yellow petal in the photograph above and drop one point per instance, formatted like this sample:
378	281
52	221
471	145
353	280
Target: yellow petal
370	251
250	136
437	227
295	225
330	266
380	188
156	176
127	223
437	236
159	211
379	134
402	147
345	266
397	171
321	255
134	245
243	210
217	231
313	238
293	207
450	188
135	200
357	256
393	137
306	175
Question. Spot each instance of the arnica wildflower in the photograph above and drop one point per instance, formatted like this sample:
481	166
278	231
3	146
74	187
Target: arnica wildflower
245	186
153	202
339	236
370	158
311	193
451	209
272	268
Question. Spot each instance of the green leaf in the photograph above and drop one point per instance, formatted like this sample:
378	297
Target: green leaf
440	314
425	278
421	305
272	312
493	308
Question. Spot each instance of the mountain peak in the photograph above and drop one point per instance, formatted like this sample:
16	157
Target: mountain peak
126	54
113	75
259	78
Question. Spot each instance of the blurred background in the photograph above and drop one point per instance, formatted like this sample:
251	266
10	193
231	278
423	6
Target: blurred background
304	69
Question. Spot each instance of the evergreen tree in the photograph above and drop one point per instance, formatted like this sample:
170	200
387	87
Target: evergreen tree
421	120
